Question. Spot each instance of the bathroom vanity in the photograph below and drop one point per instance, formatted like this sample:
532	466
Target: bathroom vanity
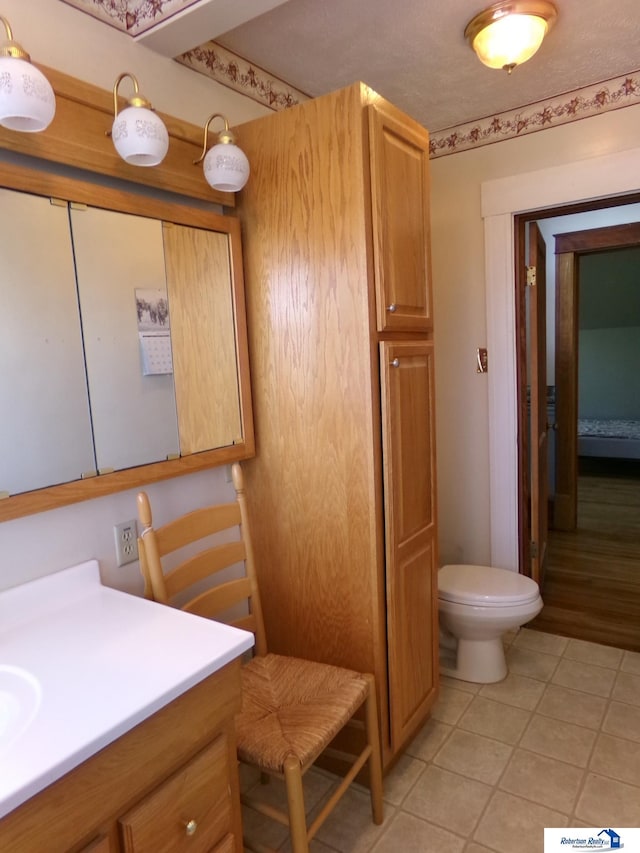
116	722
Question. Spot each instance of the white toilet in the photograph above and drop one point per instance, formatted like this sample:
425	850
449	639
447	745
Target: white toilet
477	605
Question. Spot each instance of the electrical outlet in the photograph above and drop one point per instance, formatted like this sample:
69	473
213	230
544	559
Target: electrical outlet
126	536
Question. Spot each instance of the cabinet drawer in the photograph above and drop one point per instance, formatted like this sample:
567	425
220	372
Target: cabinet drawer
190	811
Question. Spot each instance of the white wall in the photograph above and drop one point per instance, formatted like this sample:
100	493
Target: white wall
460	291
60	37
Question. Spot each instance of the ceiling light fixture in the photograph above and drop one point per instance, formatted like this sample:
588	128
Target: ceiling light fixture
225	167
27	101
510	32
139	134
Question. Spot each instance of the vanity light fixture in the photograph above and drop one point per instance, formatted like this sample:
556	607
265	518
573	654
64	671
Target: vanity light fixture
510	32
139	134
27	101
225	167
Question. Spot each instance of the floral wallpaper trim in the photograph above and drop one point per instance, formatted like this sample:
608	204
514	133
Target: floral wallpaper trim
131	16
582	103
245	77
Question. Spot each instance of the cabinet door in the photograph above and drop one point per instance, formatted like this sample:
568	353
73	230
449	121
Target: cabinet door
407	377
190	811
399	156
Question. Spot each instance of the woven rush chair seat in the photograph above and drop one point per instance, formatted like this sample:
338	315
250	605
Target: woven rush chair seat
293	707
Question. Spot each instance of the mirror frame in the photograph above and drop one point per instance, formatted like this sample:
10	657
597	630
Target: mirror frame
71	189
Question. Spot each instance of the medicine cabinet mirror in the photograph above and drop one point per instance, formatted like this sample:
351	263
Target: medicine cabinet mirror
122	341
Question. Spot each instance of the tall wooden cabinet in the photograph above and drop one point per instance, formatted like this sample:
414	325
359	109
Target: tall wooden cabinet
342	490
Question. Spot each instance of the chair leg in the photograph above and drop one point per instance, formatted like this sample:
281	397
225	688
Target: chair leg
375	759
295	799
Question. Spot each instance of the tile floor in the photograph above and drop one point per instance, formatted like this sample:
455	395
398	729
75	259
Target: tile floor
557	743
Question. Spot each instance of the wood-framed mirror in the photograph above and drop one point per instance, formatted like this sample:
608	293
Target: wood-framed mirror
102	389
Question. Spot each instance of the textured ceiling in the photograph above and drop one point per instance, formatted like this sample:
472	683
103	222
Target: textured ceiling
413	52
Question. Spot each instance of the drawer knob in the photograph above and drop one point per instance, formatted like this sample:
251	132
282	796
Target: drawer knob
191	827
395	362
392	308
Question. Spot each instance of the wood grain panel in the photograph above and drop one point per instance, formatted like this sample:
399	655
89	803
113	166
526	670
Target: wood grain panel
564	517
407	373
198	794
203	341
399	151
308	313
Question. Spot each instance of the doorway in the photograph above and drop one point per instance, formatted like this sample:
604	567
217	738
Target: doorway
591	586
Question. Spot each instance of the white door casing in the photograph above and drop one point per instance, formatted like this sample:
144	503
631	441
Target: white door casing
501	199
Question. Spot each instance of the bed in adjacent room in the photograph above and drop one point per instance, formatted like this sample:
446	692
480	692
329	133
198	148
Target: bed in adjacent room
609	437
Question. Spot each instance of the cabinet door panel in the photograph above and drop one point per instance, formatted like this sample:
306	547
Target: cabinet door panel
399	154
407	377
190	811
203	333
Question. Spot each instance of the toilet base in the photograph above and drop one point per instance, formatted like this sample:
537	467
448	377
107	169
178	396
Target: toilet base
480	661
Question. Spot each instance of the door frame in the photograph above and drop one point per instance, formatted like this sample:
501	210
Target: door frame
569	247
612	176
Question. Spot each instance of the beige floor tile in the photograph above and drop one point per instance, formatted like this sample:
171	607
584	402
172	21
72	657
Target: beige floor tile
631	662
409	834
474	756
450	705
429	739
627	688
448	800
524	661
572	706
263	830
618	758
476	848
401	778
596	680
557	739
593	653
544	780
495	719
541	642
605	801
622	720
512	824
458	684
350	828
516	690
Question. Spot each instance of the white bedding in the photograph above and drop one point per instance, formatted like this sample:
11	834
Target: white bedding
609	437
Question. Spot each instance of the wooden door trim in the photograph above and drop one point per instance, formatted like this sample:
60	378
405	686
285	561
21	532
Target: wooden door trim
568	248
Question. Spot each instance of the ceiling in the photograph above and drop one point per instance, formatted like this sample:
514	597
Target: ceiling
412	52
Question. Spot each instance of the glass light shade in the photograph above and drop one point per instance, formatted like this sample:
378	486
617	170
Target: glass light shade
27	101
510	40
226	167
140	136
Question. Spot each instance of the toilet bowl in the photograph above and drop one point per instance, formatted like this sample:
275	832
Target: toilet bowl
477	605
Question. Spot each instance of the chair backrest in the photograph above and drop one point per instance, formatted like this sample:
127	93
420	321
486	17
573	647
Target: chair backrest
217	601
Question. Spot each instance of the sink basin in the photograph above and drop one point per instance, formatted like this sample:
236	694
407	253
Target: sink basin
20	697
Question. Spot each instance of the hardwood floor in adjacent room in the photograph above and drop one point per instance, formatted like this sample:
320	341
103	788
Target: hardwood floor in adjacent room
591	588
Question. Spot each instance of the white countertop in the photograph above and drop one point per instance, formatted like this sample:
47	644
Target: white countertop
94	662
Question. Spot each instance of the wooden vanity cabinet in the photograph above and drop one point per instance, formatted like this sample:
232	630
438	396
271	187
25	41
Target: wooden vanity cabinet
168	785
342	491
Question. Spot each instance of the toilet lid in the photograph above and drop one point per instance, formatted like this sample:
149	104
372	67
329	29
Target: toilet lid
485	585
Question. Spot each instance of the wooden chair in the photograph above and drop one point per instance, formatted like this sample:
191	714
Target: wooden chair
291	708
